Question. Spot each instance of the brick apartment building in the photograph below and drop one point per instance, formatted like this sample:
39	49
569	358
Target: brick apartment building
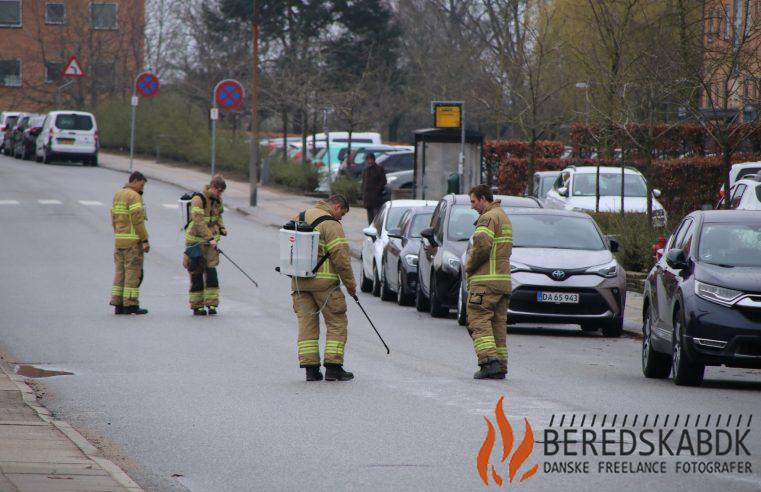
38	37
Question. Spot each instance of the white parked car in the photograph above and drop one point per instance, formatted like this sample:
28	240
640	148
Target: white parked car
740	171
376	239
68	136
574	190
746	194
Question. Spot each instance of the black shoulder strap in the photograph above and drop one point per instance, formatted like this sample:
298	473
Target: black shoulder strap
323	218
203	198
303	216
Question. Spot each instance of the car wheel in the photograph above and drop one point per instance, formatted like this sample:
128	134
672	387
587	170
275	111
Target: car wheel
421	302
386	294
437	310
613	328
403	298
94	161
366	285
462	310
46	157
686	372
654	364
376	281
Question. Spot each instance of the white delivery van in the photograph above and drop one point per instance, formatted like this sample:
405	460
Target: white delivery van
68	136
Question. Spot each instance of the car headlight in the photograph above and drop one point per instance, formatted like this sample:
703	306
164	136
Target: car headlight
451	261
411	260
608	270
719	295
519	267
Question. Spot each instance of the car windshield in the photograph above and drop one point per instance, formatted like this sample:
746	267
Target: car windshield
73	122
394	216
731	244
461	223
419	222
555	231
547	185
610	185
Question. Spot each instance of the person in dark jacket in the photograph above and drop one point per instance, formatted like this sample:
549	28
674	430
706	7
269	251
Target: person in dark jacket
373	183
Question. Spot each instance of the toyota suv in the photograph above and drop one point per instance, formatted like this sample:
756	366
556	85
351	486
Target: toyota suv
68	136
575	190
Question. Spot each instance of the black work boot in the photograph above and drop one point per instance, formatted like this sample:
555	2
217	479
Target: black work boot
212	310
199	312
490	370
313	373
119	310
134	310
335	372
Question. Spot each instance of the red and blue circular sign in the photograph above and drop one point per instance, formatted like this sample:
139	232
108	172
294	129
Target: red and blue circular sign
147	84
229	94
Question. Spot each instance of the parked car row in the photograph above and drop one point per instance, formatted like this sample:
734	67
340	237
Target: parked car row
55	136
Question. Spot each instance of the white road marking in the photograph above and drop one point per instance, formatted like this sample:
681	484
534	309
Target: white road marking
9	202
49	202
90	203
171	205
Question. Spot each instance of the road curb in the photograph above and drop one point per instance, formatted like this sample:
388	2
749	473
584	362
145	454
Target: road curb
90	451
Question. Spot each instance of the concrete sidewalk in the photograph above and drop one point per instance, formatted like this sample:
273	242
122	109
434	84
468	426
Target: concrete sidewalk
274	207
40	454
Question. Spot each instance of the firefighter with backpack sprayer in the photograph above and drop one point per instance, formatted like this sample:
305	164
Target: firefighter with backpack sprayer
202	234
322	293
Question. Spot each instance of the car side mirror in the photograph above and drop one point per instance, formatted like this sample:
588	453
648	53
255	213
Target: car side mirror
675	259
395	233
427	234
563	191
370	232
657	193
614	246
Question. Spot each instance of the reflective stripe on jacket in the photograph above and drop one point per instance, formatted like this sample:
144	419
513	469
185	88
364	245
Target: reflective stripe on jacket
333	242
488	264
205	221
128	218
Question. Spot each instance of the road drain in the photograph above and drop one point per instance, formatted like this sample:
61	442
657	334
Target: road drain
30	371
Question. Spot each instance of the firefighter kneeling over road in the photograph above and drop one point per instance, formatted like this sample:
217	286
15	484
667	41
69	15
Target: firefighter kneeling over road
131	238
489	285
201	256
322	293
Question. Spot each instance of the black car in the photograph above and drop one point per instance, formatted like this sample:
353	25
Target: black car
702	300
24	143
400	256
442	246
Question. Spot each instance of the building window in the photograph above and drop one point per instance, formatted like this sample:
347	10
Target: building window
10	13
53	72
55	13
10	73
103	16
104	75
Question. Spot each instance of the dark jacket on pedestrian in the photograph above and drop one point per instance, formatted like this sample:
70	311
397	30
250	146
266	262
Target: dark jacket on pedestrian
373	183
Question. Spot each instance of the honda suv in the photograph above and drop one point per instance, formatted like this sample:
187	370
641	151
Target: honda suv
702	300
68	136
575	189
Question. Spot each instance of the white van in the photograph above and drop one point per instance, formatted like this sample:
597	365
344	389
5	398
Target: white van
68	136
343	137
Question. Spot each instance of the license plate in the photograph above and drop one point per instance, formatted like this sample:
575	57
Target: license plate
558	297
66	141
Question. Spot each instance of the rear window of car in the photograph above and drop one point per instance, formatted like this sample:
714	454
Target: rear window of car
10	121
405	162
758	192
749	171
73	122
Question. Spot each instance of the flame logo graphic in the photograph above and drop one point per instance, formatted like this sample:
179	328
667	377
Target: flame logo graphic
519	457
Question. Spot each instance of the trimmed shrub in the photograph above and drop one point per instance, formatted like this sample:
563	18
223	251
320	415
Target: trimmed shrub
348	187
634	237
294	176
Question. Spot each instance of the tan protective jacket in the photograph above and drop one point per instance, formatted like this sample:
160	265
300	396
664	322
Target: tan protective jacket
333	242
489	262
205	221
128	218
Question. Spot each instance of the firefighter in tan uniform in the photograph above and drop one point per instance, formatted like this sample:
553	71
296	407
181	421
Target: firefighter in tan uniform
489	286
322	294
131	242
204	231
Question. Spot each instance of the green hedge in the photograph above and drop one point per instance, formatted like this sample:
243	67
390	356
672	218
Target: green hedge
175	127
294	176
348	187
634	236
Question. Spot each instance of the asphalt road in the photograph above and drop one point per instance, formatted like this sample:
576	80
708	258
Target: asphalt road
222	402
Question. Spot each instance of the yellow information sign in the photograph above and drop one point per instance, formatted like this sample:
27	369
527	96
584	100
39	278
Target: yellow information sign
447	116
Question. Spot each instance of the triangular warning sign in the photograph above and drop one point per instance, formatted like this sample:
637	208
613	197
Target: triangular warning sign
73	68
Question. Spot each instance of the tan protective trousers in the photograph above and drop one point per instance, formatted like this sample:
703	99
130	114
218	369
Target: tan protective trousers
307	307
487	324
128	263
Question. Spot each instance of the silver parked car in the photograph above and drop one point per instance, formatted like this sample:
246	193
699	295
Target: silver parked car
563	271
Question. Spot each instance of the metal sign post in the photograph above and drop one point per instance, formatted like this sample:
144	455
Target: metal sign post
146	85
228	94
451	114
